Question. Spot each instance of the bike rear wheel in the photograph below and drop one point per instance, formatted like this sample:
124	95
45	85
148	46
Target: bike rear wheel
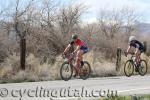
85	71
142	70
129	68
66	71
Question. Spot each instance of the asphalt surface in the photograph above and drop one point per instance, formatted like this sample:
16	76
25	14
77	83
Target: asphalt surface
92	88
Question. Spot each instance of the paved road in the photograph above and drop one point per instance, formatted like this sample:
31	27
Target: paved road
92	88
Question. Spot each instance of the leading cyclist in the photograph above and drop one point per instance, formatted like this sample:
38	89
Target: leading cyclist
81	49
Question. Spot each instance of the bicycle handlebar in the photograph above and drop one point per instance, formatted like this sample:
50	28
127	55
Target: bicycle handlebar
132	53
68	56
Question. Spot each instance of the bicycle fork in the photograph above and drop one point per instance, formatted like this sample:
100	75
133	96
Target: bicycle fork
136	66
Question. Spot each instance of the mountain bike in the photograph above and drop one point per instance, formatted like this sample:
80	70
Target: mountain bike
131	66
68	67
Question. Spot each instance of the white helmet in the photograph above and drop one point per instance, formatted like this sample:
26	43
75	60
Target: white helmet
131	38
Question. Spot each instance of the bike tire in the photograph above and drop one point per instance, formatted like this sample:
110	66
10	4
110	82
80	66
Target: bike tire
61	71
131	65
140	68
84	74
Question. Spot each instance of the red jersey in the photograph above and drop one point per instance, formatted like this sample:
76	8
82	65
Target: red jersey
79	42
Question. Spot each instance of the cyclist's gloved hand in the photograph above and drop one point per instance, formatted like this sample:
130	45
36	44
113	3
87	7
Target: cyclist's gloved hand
63	54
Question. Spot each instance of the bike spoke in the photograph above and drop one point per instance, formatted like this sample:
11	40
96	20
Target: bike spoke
128	68
66	71
85	70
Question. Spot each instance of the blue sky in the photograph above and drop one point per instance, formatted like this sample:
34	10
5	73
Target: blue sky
141	6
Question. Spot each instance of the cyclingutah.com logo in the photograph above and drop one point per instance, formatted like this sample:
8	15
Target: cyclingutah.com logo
40	92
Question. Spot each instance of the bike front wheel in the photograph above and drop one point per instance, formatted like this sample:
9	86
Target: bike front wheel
129	68
142	68
85	70
66	71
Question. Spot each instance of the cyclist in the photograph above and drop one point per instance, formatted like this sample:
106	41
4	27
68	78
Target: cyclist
81	49
139	48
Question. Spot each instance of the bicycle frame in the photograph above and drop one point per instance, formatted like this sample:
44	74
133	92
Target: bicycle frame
133	58
70	58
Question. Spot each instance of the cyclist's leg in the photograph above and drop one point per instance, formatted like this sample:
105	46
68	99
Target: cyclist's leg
78	59
84	50
138	54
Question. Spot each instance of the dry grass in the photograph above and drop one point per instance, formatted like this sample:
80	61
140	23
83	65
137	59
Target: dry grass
104	69
10	71
100	67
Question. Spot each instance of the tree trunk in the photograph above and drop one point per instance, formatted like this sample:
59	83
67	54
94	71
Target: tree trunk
22	53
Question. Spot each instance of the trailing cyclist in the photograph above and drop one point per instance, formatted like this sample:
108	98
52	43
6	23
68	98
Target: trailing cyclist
138	47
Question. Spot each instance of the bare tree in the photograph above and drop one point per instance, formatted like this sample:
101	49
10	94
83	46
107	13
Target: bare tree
130	17
21	27
69	17
113	25
49	34
110	23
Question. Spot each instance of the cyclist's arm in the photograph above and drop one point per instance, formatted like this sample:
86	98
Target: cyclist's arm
136	50
129	49
78	47
67	48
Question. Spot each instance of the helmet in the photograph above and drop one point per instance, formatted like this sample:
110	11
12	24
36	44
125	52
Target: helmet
74	36
131	38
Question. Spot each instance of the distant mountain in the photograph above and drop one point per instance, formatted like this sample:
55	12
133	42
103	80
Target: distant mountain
143	28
